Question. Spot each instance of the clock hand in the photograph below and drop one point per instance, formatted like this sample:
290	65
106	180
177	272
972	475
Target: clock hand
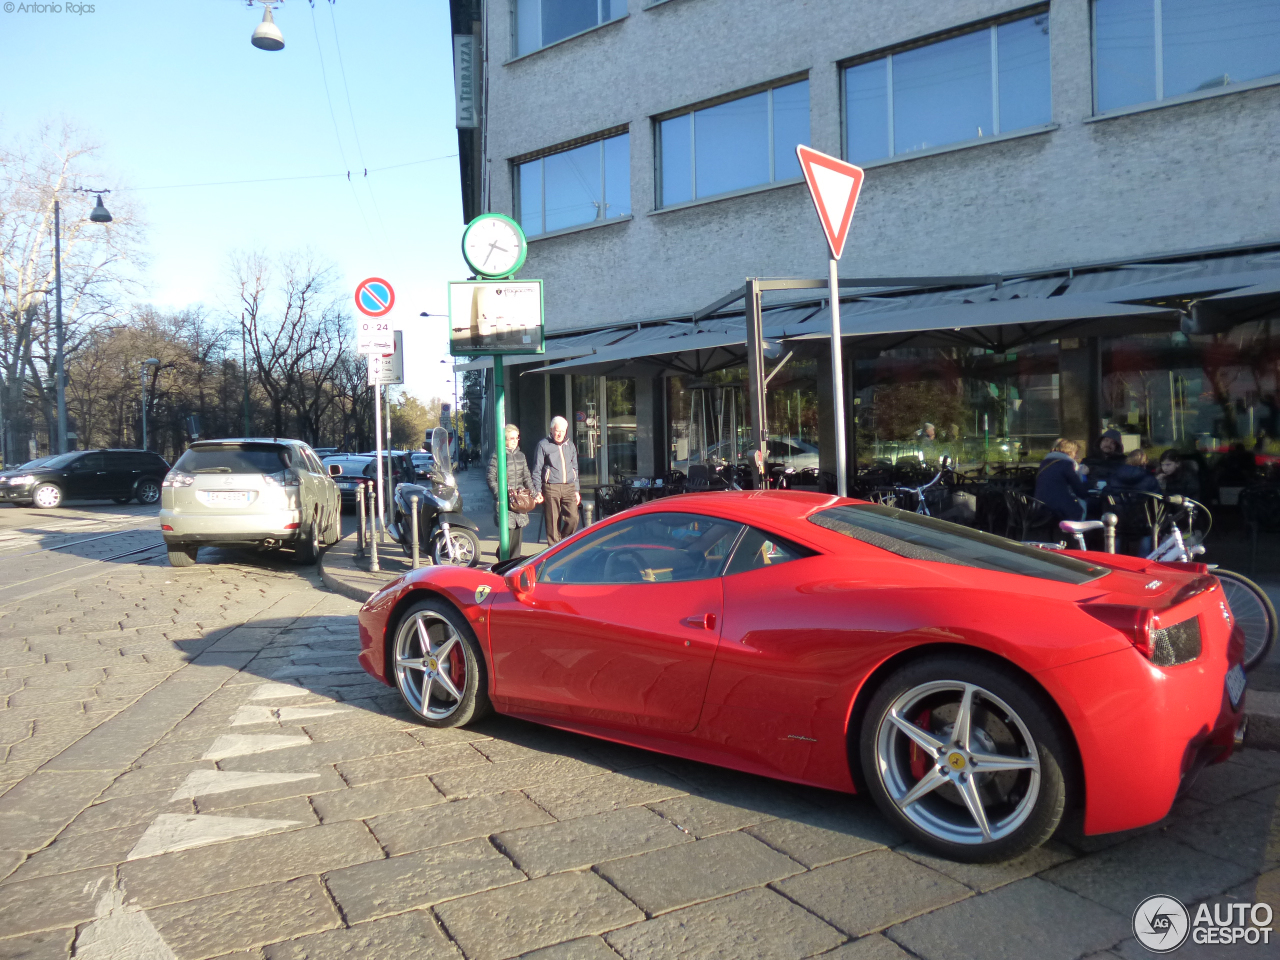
492	247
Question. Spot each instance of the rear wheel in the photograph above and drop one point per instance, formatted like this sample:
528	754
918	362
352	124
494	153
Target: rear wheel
307	550
1254	614
182	556
47	496
466	548
147	492
438	666
960	756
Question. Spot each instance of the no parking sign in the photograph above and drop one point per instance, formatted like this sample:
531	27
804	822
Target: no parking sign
374	297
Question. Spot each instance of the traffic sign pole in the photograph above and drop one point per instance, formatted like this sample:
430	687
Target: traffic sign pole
500	422
837	379
377	429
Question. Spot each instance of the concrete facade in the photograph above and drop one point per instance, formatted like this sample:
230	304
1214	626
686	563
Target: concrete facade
1176	177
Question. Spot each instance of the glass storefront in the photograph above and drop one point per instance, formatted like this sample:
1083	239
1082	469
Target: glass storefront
620	414
587	418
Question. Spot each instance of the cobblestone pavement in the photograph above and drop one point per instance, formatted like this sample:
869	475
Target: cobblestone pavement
194	767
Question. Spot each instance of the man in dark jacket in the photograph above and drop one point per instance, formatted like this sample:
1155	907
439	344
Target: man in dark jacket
1107	457
555	477
1060	483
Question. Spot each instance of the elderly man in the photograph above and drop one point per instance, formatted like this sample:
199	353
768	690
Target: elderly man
555	478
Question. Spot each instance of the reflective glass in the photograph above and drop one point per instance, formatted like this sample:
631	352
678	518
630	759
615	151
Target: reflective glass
790	127
564	18
572	186
528	26
866	101
614	9
942	93
617	177
1124	53
530	187
1211	44
651	548
731	145
1023	52
621	419
677	160
586	427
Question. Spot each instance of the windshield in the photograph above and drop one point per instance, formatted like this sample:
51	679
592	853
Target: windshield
918	537
61	460
32	464
241	458
441	462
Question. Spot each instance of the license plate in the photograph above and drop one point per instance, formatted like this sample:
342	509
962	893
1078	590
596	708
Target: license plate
228	496
347	484
1235	684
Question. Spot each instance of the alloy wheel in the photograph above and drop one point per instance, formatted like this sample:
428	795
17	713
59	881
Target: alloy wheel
47	496
430	665
148	492
958	762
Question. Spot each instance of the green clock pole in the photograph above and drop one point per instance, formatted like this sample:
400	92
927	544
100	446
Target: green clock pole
500	422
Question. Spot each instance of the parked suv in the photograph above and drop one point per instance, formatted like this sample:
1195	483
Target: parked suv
119	475
258	493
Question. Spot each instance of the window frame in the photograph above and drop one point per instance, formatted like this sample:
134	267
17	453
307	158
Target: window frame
515	29
600	137
657	120
990	24
1157	27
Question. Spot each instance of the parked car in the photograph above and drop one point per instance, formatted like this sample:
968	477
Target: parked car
975	687
257	493
422	465
352	470
119	475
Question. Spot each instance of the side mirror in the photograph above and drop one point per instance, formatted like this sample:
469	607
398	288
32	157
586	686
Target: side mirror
335	469
520	582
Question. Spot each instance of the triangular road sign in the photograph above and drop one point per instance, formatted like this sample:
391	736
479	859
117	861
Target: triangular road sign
834	186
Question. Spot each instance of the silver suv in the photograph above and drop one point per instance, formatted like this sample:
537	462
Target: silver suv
258	493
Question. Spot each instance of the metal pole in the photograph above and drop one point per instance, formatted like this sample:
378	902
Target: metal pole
413	526
756	385
360	521
1109	531
379	494
244	370
500	421
837	380
60	373
142	383
373	539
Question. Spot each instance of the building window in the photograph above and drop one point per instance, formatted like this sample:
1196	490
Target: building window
732	146
1151	50
989	81
540	23
587	184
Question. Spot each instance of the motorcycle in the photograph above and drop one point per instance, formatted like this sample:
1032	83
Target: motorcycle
445	534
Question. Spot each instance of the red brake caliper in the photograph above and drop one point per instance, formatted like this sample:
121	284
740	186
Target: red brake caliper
920	761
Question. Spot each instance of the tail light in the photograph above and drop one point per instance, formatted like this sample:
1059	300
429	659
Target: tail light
175	479
285	478
1165	646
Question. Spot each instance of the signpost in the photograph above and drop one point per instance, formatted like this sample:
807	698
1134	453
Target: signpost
376	339
834	187
492	314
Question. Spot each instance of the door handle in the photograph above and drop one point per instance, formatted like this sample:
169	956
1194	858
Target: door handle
707	621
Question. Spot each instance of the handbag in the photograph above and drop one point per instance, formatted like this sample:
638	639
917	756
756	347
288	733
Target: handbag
521	500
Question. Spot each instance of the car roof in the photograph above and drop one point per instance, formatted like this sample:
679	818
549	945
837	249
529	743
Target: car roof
227	440
785	507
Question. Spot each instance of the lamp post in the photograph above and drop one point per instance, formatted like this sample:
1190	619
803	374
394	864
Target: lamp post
267	36
244	371
99	215
142	379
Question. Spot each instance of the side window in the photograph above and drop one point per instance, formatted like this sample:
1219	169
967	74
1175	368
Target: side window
89	463
651	548
759	549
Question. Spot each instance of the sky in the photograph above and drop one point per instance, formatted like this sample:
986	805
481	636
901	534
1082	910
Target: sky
178	99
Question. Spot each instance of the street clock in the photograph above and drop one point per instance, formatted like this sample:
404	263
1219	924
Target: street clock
494	246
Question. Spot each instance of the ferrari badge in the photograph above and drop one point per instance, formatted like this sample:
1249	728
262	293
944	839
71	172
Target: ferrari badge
482	591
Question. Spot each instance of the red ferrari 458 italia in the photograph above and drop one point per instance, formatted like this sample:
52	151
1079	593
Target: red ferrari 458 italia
974	686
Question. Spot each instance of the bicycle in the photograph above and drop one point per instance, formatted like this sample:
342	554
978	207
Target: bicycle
922	507
1252	609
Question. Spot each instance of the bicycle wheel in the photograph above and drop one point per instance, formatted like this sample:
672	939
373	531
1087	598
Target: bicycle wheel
1253	611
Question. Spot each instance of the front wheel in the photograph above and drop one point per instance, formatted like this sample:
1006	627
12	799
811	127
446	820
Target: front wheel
466	548
438	666
1254	614
47	496
961	757
147	492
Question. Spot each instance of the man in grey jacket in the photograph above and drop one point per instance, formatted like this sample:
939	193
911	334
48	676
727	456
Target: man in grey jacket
555	476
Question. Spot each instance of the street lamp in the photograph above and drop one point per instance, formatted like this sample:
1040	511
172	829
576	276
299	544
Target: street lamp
99	215
267	36
142	379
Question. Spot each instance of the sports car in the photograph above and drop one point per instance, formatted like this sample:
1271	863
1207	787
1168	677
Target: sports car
977	688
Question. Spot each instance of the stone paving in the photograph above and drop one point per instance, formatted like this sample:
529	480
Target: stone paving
194	767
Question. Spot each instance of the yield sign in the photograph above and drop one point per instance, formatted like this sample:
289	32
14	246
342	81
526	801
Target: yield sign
834	186
374	297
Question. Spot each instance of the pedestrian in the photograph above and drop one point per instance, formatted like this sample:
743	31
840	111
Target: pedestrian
1178	477
555	479
518	477
1133	475
1060	483
1106	458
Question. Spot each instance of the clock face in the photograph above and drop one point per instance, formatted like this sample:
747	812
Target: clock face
494	246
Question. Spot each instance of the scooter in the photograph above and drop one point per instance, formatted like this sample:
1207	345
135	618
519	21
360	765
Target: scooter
445	534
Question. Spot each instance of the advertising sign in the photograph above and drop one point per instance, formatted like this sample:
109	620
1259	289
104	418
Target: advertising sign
495	316
464	80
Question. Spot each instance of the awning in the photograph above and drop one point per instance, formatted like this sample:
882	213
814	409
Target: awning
1225	310
1164	281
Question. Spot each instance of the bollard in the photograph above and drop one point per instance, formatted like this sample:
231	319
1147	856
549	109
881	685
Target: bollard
373	540
360	538
1109	531
588	513
413	526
